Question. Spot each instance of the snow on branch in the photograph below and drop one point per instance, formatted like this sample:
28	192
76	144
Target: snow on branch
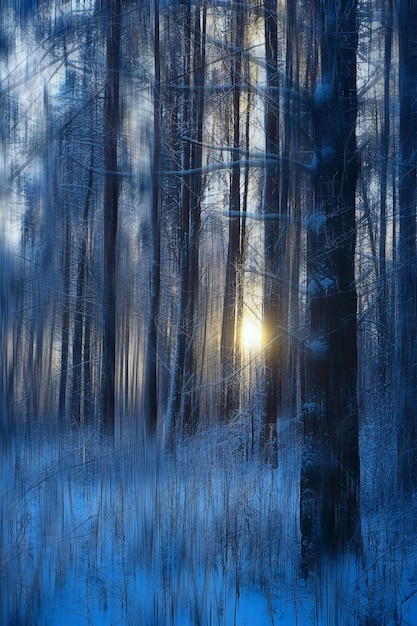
255	162
262	217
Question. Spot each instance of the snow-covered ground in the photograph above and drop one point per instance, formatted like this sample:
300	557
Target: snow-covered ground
99	533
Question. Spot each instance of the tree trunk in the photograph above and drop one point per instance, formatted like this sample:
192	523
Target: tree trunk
191	400
80	311
274	242
180	383
183	406
407	196
65	324
111	195
151	380
330	464
384	334
230	322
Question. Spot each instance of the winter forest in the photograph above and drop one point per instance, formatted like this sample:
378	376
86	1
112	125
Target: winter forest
208	321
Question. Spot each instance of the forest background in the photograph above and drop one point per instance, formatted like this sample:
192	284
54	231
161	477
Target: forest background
208	311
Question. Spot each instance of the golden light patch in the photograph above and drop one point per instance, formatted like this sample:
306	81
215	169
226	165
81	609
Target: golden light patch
251	334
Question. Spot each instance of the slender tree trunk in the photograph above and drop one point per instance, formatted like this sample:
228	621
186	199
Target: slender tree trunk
6	359
230	323
111	196
291	203
383	295
407	196
191	398
243	229
79	316
88	407
274	242
151	381
65	325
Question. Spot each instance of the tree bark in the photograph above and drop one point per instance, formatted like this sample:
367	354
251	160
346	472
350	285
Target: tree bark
111	196
274	243
65	324
407	291
330	465
183	406
231	322
151	381
78	351
384	334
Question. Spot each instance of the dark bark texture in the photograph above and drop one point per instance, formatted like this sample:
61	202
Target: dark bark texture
111	199
407	197
330	464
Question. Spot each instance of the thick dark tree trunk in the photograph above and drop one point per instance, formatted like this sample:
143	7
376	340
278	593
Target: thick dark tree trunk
183	407
330	463
111	196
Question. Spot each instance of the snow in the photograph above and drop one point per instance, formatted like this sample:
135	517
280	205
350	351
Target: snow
320	285
103	534
317	223
318	346
323	95
312	408
327	154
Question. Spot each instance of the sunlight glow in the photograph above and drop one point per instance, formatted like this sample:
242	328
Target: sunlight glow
251	334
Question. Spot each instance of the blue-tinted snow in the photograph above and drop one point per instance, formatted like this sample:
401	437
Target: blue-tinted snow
103	534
